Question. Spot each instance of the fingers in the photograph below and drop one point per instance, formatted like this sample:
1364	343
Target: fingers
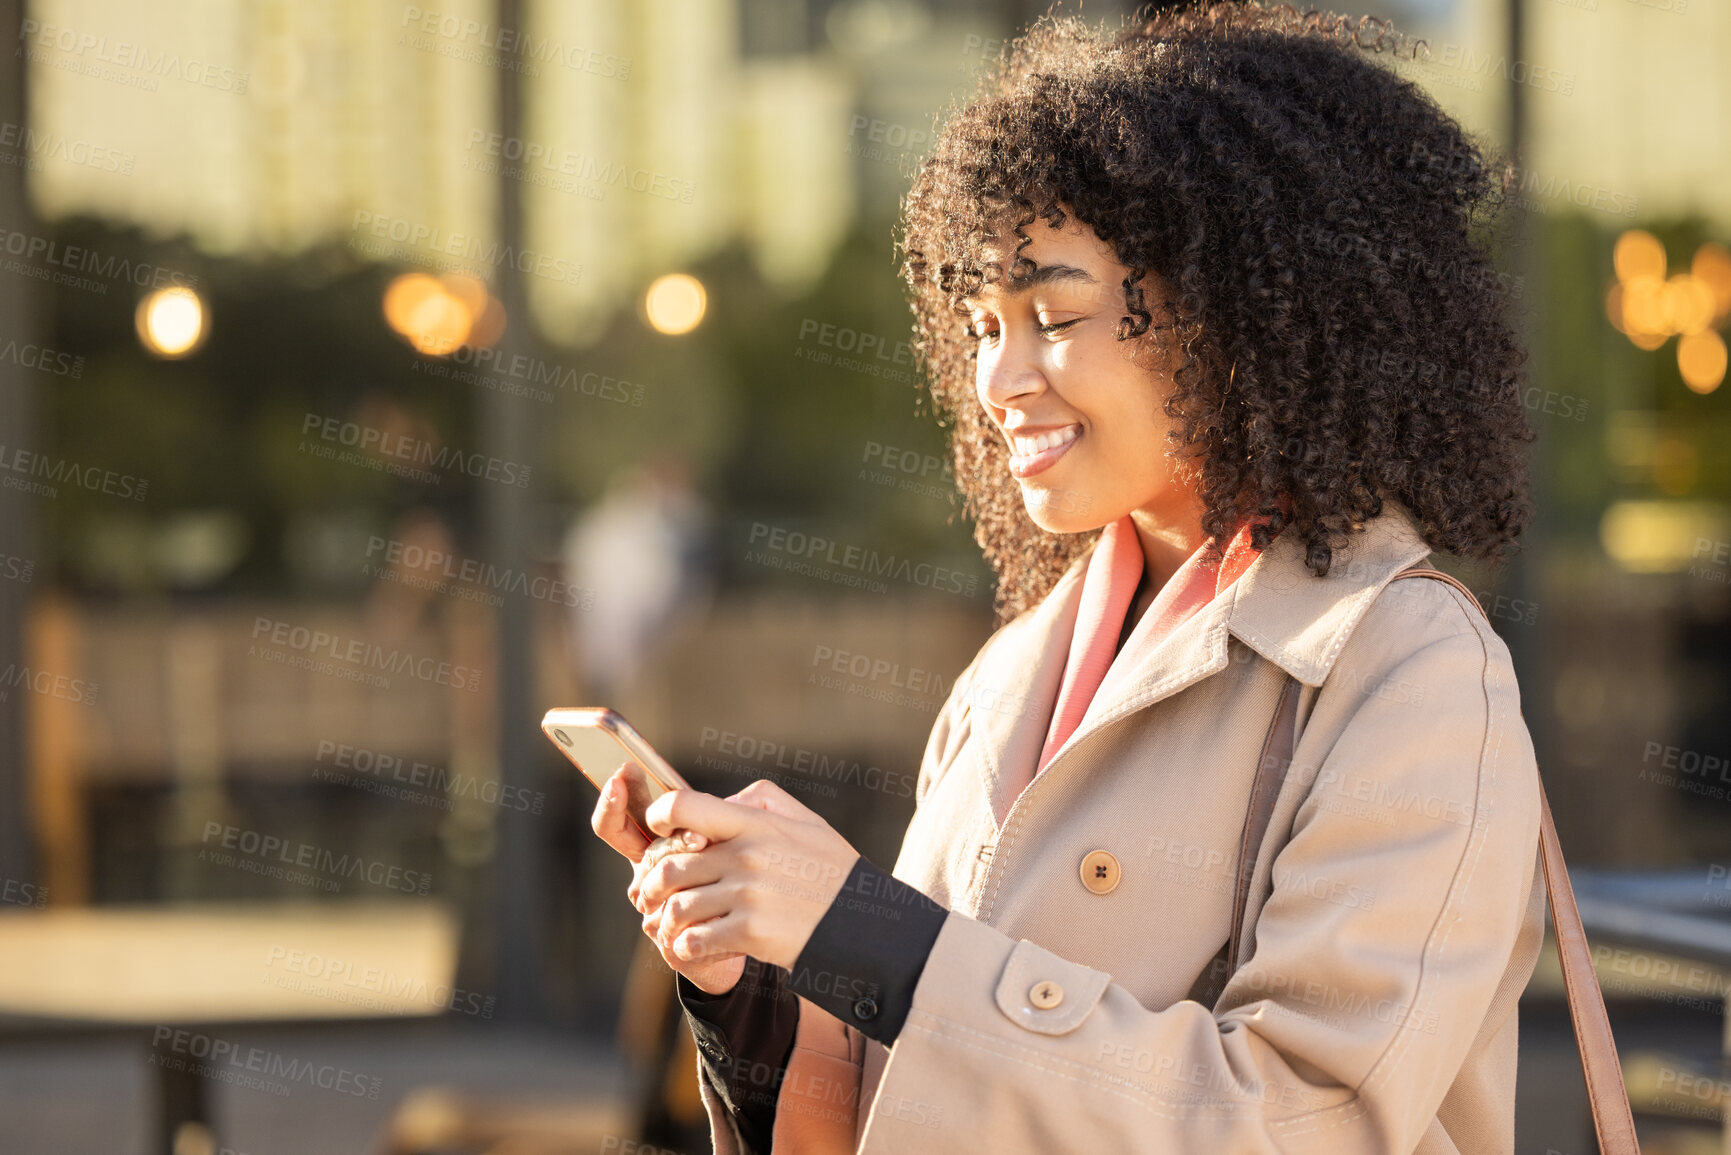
652	926
715	818
611	824
675	873
688	908
641	868
680	842
710	939
683	913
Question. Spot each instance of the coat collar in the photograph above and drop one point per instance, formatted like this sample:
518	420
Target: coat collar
1299	621
1278	608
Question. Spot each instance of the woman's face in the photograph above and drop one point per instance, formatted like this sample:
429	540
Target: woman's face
1083	422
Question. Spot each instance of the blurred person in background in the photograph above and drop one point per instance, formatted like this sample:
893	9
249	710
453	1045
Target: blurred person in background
644	551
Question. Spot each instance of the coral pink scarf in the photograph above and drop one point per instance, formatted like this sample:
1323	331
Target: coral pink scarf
1113	573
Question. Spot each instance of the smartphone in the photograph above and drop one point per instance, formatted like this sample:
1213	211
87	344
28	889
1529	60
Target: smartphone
598	741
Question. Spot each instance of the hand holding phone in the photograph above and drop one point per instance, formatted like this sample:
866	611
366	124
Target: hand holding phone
631	775
600	743
613	824
715	975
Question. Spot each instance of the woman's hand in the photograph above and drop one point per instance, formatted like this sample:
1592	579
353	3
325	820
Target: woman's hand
714	976
770	872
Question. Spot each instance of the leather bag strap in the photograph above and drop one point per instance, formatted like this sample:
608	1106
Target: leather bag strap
1606	1094
1277	750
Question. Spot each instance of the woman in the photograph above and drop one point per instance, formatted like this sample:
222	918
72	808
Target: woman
1221	845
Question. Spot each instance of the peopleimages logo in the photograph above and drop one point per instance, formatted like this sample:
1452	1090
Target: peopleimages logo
47	683
304	646
57	255
121	61
421	568
396	448
28	356
39	146
18	569
16	893
527	374
807	553
419	238
446	784
270	1071
525	157
505	43
273	850
19	465
342	981
805	765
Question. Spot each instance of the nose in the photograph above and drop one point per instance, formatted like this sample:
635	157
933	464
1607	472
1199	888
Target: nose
1008	373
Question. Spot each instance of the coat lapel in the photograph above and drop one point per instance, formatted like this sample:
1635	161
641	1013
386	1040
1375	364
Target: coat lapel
1278	608
1012	696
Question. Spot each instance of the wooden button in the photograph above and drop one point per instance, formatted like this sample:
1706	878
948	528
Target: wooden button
1100	871
1046	994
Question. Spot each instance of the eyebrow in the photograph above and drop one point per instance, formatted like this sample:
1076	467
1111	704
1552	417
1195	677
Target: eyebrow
1047	275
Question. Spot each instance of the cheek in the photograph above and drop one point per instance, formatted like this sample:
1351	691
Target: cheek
1131	432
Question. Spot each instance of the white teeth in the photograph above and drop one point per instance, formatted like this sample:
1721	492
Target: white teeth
1028	446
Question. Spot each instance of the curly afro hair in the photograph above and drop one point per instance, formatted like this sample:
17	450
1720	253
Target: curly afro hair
1344	336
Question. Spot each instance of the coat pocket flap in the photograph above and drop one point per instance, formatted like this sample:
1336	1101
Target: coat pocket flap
1047	994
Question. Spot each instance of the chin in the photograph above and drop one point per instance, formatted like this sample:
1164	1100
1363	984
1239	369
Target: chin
1062	511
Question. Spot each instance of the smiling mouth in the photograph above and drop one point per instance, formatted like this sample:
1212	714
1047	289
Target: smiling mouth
1037	453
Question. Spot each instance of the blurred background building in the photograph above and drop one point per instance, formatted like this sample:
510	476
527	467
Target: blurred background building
334	335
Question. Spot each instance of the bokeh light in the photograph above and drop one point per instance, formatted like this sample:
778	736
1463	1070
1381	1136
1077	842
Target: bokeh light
171	322
1701	360
438	315
1712	265
1650	309
1688	303
1638	253
675	303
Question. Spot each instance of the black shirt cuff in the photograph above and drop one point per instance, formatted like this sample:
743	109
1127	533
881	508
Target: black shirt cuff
866	956
744	1038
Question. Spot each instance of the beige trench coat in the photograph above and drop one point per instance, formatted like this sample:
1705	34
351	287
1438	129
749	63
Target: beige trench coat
1402	911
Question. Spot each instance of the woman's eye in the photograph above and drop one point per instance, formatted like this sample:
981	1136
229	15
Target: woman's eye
987	330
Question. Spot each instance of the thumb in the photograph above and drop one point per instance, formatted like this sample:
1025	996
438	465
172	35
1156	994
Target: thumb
772	799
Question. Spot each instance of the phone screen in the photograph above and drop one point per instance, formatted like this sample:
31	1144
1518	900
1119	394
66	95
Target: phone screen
598	754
